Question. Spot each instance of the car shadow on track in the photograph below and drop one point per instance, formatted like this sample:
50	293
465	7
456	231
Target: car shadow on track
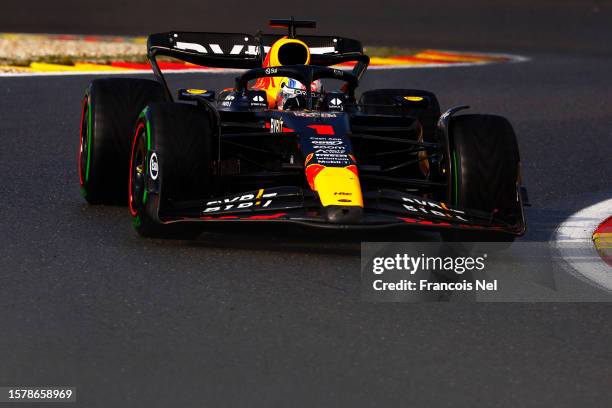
295	238
283	238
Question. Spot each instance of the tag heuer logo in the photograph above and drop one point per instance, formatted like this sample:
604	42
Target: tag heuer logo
336	102
258	98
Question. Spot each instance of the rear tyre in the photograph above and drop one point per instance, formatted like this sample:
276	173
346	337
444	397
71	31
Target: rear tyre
485	172
109	110
173	150
392	102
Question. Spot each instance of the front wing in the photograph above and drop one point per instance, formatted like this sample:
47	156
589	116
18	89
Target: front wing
382	209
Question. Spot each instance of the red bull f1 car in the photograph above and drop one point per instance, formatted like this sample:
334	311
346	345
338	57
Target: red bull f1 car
291	142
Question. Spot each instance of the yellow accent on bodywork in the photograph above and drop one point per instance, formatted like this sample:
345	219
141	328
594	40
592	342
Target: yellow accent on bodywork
413	98
196	91
338	186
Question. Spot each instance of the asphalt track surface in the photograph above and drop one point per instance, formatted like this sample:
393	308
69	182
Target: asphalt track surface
560	26
275	319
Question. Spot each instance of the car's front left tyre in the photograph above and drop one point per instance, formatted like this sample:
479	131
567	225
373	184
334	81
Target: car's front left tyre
109	110
485	170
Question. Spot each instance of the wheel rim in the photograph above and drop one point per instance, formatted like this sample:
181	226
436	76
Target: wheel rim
137	171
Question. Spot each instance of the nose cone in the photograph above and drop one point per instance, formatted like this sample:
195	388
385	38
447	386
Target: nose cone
337	214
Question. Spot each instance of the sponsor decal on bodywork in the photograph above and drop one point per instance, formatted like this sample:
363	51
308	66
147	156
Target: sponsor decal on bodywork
325	115
276	125
269	199
330	151
240	202
236	49
227	101
426	207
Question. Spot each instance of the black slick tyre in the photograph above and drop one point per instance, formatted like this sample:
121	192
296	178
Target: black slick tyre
172	158
484	172
109	110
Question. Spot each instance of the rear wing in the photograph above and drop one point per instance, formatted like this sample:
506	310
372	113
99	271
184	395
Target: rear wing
236	50
246	51
218	50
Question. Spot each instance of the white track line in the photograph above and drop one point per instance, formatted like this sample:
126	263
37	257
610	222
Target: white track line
574	241
512	59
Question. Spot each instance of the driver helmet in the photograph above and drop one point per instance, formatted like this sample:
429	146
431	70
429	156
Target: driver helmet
292	94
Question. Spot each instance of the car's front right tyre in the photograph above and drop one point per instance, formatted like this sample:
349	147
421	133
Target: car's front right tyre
171	160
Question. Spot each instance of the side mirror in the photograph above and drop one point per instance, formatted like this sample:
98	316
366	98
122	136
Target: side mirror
196	95
413	102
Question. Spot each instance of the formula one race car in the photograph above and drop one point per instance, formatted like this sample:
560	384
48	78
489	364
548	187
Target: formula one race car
290	142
